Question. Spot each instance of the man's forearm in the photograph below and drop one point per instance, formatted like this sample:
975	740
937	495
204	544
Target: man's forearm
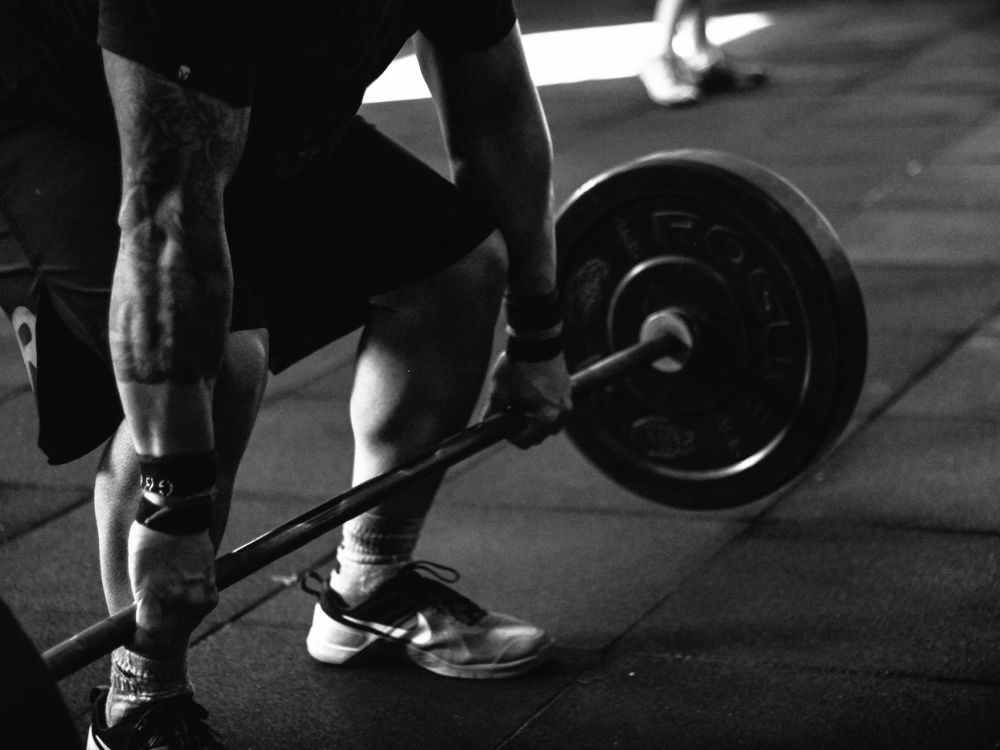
172	290
500	149
508	170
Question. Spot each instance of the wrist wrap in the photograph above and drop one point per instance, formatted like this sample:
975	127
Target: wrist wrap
534	327
181	475
188	516
177	492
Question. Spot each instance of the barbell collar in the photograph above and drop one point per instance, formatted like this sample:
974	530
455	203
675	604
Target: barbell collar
619	364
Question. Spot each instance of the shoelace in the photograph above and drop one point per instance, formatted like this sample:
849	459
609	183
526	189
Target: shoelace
434	593
310	576
444	598
439	571
176	722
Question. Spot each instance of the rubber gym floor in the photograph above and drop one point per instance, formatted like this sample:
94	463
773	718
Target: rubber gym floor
857	608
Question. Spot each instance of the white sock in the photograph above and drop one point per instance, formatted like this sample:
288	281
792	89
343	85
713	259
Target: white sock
137	680
374	549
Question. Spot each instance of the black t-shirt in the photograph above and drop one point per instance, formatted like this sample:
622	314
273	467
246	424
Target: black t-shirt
222	46
302	64
34	30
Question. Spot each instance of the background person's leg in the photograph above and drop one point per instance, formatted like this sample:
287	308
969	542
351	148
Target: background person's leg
689	65
668	80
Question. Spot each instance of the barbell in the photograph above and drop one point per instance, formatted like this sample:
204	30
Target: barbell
717	337
771	311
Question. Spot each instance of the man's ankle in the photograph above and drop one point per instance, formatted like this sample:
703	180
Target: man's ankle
355	582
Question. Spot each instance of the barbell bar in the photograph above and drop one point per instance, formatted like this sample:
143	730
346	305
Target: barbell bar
101	638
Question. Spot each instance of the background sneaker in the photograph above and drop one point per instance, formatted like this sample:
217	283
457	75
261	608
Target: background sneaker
171	724
729	73
670	83
422	621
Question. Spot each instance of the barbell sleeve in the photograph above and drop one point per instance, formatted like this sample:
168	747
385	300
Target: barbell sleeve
101	638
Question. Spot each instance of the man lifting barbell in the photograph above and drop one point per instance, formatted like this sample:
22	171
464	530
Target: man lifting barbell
330	227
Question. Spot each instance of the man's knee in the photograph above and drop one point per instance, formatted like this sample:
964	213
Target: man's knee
476	283
244	367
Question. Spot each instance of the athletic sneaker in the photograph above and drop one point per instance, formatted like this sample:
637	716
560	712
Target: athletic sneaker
171	724
670	83
415	619
728	73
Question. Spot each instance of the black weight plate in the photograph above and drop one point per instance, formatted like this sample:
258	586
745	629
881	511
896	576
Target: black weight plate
780	335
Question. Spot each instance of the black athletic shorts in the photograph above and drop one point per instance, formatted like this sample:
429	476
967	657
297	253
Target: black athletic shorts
307	253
